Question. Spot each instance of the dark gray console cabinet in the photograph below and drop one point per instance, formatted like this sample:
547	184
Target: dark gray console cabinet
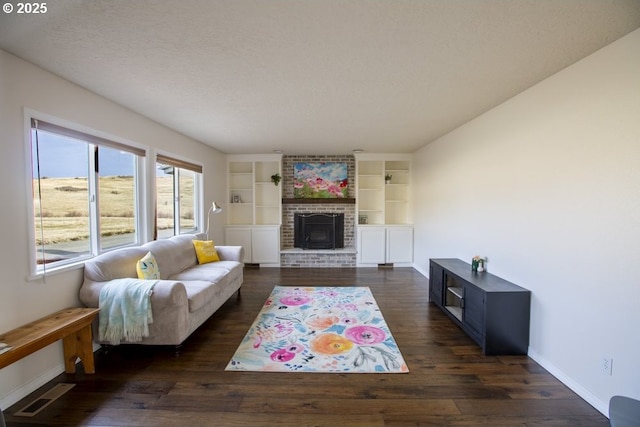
492	311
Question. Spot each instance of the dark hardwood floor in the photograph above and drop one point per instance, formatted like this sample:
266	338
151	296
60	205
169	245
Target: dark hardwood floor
450	384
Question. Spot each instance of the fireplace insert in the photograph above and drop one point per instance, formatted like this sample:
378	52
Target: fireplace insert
318	230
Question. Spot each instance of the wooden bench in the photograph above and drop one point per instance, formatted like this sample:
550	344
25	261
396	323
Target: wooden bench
72	325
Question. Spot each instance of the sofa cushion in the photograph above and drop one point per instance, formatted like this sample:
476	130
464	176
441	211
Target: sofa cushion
116	264
147	267
174	254
228	265
206	272
200	293
205	251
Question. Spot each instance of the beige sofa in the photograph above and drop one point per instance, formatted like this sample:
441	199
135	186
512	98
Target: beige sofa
187	294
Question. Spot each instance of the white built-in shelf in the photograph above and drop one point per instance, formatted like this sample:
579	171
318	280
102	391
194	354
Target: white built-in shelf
385	203
249	177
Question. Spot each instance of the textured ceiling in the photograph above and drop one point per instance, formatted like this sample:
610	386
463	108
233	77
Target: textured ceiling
313	76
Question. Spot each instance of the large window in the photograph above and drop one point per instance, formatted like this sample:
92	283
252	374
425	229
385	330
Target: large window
84	194
177	196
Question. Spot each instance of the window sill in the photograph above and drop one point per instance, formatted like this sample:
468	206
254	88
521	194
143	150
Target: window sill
56	270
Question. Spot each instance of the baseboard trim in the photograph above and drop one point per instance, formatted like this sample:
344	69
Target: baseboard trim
590	398
420	270
28	388
21	392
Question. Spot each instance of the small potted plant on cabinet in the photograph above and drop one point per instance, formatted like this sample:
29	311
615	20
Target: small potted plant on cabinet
275	178
387	178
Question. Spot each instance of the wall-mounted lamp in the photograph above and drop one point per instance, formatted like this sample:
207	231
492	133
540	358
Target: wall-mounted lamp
215	209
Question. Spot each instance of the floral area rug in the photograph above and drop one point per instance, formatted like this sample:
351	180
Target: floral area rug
319	329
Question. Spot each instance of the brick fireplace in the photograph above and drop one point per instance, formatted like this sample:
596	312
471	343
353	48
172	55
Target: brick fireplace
291	256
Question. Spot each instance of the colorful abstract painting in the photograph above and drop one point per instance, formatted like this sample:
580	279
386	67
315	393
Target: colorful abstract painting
322	180
319	329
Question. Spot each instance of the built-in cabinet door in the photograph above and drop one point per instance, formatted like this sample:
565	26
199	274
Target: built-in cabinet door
261	244
265	243
385	244
371	245
239	237
399	244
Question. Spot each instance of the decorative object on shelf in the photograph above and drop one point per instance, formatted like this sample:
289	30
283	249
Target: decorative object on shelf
323	180
215	209
363	219
387	178
275	178
236	199
477	264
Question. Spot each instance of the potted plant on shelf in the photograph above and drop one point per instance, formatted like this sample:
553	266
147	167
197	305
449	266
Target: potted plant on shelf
387	178
275	178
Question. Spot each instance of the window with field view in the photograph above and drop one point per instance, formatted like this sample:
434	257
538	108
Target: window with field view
177	190
117	197
84	194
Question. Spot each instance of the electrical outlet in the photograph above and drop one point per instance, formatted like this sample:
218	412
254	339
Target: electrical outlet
607	365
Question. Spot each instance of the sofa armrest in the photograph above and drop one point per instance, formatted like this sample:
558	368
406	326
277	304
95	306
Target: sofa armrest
230	253
168	293
165	293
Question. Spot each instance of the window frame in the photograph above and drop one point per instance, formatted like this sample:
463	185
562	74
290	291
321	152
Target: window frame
179	165
96	138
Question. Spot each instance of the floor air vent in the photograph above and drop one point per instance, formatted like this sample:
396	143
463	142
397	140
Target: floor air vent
44	400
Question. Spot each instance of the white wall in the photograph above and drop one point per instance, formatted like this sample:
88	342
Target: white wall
23	85
547	186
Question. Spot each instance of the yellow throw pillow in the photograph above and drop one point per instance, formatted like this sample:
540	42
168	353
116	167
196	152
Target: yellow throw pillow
147	267
205	251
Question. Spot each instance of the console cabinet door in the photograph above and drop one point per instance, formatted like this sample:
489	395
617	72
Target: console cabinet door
436	284
473	312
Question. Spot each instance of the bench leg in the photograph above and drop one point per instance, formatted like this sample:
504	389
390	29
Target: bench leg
79	344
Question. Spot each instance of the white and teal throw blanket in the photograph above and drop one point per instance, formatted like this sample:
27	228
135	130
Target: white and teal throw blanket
125	310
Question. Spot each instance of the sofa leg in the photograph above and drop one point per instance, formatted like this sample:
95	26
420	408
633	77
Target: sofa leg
106	348
239	295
